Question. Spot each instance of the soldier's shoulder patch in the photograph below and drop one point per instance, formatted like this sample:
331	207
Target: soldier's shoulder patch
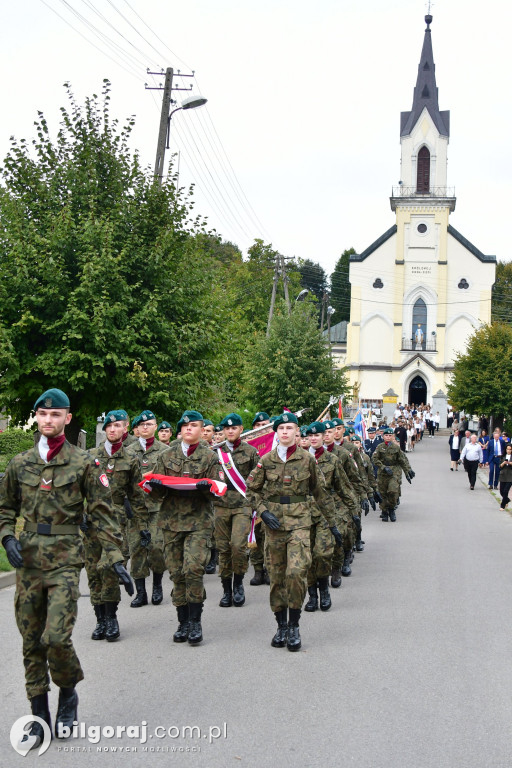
104	480
96	462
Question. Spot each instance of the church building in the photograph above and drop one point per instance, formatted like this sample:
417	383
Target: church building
421	289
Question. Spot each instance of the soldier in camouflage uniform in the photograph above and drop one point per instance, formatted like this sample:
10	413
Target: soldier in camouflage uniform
257	553
386	458
46	486
342	558
144	535
164	432
233	515
122	470
280	488
209	437
186	520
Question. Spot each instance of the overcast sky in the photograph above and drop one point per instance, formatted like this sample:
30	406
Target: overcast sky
305	99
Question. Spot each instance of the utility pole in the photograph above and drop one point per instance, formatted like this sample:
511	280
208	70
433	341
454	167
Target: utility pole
324	303
285	284
164	126
273	299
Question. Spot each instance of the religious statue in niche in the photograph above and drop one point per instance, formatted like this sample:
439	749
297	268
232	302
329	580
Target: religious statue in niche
418	337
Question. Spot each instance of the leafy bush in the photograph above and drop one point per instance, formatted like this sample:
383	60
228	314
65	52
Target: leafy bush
13	441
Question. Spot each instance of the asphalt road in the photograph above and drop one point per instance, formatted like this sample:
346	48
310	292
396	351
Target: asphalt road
411	667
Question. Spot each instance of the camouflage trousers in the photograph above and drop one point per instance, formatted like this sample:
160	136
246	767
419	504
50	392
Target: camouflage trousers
322	548
144	559
103	580
257	553
347	528
125	547
389	489
187	554
289	559
45	605
232	528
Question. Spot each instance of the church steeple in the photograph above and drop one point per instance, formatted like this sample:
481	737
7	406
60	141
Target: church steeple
426	92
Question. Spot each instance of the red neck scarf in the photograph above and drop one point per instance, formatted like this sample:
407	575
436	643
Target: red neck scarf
191	449
290	451
55	444
236	443
149	442
124	437
116	446
330	447
319	452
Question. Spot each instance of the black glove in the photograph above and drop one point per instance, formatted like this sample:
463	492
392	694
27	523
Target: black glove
377	496
412	474
13	551
365	506
145	538
408	478
388	470
83	525
124	576
337	536
203	485
270	520
128	508
357	522
371	499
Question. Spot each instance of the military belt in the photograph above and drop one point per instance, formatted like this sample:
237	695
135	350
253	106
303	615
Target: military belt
46	529
287	499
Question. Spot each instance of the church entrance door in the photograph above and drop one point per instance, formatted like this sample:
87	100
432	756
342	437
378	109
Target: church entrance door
418	391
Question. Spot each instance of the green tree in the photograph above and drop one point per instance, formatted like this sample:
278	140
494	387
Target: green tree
502	293
292	367
103	274
340	287
312	277
477	386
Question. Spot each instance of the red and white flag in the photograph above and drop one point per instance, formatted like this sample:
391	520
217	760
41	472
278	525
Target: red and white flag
217	487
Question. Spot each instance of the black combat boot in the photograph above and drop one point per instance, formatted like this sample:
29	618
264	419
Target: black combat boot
158	593
66	712
39	707
111	624
312	604
226	600
336	577
181	634
195	631
392	515
346	570
293	643
325	598
238	590
99	630
141	598
258	579
280	637
266	576
210	568
384	516
359	543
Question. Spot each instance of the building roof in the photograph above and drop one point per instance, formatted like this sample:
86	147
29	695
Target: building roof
469	246
373	247
426	92
338	333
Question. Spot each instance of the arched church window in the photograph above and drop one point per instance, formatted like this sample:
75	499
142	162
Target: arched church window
423	176
419	324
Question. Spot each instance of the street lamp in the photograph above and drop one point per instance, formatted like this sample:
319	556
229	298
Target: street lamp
330	313
302	295
191	102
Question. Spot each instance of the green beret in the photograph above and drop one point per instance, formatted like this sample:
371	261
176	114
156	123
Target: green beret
112	416
388	431
284	418
164	425
260	416
348	431
188	416
355	438
52	398
146	416
273	418
329	424
338	422
316	428
303	431
135	423
207	423
232	420
217	428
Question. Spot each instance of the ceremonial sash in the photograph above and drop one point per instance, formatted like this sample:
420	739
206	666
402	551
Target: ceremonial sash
183	483
228	465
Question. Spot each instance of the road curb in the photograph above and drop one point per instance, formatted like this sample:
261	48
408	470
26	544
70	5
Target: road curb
7	579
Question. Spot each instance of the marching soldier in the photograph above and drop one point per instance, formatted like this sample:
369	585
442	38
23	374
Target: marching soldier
164	433
233	514
46	486
122	470
257	553
386	457
208	432
280	486
144	535
186	520
304	441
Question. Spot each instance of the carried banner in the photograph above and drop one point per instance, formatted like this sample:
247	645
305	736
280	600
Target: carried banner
263	443
217	487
